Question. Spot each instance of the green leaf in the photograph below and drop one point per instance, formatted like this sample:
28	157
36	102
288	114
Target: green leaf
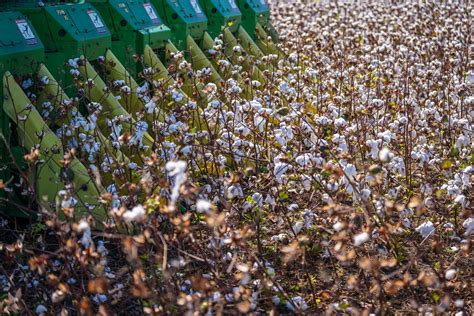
283	111
446	164
343	305
283	195
436	297
375	169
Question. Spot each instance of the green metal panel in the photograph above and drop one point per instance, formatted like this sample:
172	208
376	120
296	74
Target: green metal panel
221	14
69	31
253	12
20	52
183	17
133	24
20	46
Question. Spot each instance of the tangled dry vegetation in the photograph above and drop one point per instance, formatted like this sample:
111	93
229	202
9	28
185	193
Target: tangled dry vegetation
341	185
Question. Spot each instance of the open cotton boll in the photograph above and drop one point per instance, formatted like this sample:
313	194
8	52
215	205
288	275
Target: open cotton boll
450	274
235	191
175	167
304	159
374	147
257	198
425	229
203	206
259	122
280	237
99	298
460	199
468	225
361	238
256	83
297	227
385	155
306	182
299	302
137	214
350	172
338	226
151	107
365	194
340	122
84	228
41	310
270	200
280	169
101	248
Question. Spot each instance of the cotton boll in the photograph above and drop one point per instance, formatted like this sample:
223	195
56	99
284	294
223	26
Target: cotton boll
459	303
297	227
425	229
385	155
151	107
84	228
257	198
41	310
338	226
361	238
461	200
280	169
280	237
304	160
270	200
322	120
326	198
450	274
215	104
299	302
468	225
177	170
235	191
340	122
462	141
99	298
203	206
374	147
293	207
259	122
137	214
256	83
73	63
306	182
365	193
101	248
350	171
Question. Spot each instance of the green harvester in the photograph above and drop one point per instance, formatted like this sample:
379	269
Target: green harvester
79	48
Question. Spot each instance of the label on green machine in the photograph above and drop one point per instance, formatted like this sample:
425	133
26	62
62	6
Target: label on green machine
97	21
151	13
26	31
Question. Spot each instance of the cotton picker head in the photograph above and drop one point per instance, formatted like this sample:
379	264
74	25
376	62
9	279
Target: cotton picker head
79	89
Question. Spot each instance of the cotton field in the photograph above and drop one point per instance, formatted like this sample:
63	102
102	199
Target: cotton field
340	183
